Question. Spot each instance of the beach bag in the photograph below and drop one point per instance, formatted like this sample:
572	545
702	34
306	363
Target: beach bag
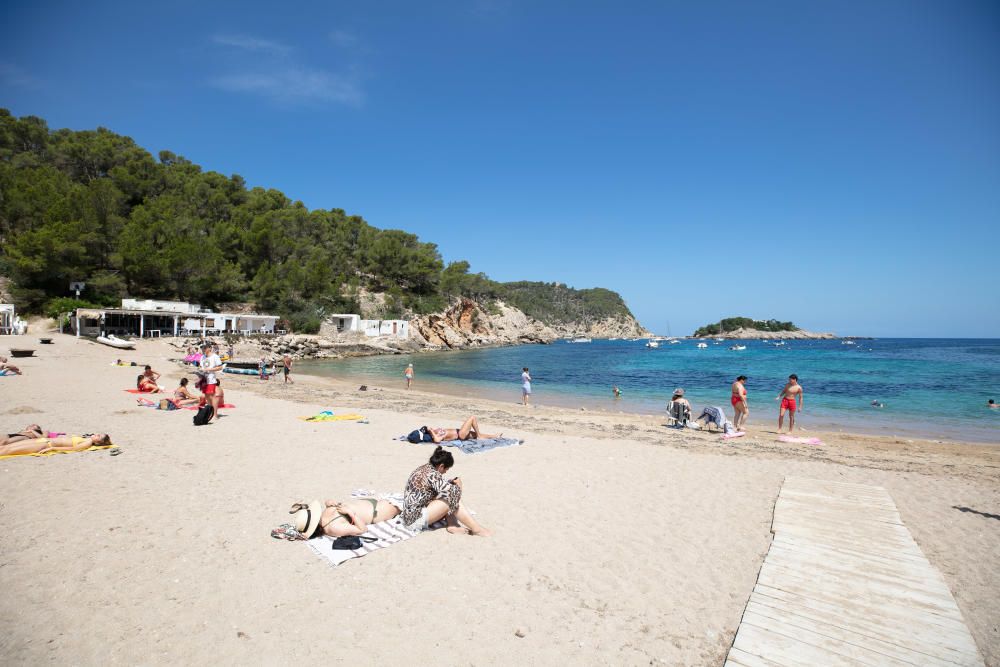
415	436
351	542
203	415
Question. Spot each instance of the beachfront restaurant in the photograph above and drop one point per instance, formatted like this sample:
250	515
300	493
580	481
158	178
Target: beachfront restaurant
148	318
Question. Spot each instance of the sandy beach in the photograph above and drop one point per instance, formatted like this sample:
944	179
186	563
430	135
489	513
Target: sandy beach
617	540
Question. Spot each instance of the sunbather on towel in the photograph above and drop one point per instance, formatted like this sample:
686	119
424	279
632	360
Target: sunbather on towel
338	519
29	432
428	498
183	395
469	430
145	385
66	443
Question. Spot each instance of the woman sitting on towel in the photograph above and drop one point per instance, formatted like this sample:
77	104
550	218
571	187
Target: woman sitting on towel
66	443
183	395
29	432
145	385
469	430
429	498
338	519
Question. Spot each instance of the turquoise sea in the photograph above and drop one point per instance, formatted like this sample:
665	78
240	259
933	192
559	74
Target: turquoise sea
933	388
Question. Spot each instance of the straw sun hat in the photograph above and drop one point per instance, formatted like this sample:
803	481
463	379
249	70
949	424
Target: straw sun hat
305	517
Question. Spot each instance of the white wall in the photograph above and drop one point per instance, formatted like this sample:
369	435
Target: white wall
167	306
397	328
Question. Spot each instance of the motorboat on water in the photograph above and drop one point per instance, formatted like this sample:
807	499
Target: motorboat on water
674	341
738	348
847	342
114	341
653	343
581	340
702	346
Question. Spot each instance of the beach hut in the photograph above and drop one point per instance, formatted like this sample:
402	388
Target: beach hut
7	317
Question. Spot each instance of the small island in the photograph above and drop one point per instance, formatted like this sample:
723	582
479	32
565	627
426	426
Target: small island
745	328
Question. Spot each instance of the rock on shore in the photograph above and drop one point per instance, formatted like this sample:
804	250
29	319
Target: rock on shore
754	334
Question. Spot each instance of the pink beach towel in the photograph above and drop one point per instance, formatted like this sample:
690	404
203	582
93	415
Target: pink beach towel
139	391
800	441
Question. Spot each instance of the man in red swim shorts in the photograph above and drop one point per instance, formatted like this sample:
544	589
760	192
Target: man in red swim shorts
792	399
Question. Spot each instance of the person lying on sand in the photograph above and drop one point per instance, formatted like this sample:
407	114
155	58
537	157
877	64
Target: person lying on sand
428	498
338	519
183	395
469	430
66	443
29	432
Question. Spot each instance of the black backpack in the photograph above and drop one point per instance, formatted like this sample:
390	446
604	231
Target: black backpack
203	416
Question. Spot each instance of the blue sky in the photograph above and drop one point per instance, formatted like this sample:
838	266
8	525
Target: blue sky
832	163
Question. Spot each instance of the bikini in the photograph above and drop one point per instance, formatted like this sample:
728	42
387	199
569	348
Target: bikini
341	515
736	399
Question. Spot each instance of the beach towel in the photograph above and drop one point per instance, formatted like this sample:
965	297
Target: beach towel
474	446
89	449
386	533
800	441
329	416
140	391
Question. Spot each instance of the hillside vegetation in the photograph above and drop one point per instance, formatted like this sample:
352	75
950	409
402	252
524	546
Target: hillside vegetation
93	206
734	323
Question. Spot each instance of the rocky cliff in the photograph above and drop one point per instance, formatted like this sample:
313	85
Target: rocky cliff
467	324
754	334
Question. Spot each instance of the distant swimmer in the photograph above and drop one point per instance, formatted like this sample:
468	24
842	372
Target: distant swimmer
616	391
991	404
792	400
878	404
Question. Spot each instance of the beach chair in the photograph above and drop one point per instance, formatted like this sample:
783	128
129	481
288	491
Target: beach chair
678	414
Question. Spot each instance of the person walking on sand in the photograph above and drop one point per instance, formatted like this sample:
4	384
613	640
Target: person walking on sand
792	399
739	401
525	386
408	374
286	362
210	365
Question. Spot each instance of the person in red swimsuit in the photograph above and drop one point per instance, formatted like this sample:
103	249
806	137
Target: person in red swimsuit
739	402
792	400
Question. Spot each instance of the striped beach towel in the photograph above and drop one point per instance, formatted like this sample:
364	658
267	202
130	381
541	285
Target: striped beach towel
386	533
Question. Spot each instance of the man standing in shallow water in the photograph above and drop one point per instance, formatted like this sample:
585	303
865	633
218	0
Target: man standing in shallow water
792	399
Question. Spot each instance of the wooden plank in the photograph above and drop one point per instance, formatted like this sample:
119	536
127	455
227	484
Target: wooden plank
826	637
793	542
790	651
897	613
934	641
845	583
739	658
918	576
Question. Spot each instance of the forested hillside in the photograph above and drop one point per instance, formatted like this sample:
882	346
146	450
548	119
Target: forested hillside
95	207
734	323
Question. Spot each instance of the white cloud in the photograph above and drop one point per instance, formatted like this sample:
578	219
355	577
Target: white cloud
252	44
293	86
270	69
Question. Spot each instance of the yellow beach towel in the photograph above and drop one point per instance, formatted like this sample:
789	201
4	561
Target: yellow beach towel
327	416
89	449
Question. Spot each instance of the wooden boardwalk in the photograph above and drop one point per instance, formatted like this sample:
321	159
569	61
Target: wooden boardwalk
844	583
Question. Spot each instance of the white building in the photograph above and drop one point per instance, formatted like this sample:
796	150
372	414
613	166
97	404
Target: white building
347	322
7	318
148	317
